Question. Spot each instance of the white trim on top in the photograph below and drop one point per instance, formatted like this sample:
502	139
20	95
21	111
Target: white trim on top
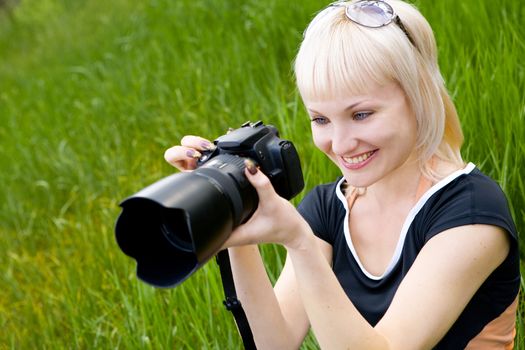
406	225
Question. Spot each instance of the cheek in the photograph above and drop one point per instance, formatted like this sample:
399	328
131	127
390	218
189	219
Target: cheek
409	132
321	140
402	140
400	131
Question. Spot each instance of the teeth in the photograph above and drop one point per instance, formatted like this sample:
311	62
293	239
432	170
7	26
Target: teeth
361	158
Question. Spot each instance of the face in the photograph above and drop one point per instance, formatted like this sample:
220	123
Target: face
368	136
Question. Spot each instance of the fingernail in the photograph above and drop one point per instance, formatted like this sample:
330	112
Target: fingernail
192	153
208	145
250	165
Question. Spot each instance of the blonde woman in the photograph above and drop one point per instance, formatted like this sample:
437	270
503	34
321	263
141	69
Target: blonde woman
411	248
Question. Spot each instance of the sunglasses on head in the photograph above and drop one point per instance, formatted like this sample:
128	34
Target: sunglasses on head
372	14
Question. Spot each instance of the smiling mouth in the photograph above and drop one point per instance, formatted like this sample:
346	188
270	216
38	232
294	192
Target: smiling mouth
359	159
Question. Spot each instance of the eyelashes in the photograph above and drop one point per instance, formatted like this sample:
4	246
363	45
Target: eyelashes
319	120
361	115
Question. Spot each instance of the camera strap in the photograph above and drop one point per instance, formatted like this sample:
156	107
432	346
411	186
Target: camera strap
232	303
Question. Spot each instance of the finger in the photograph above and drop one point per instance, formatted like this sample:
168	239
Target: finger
197	143
183	158
259	180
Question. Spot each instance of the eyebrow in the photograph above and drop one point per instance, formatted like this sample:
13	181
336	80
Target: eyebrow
352	106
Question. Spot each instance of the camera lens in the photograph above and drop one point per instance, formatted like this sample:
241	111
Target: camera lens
177	235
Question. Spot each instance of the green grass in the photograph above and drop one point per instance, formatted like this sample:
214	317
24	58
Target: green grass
92	93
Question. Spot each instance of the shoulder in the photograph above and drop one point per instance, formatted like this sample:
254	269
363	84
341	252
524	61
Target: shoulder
467	197
475	191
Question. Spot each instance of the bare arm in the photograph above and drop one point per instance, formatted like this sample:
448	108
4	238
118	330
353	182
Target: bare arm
276	315
447	273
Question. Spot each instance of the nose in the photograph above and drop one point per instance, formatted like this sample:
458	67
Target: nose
344	141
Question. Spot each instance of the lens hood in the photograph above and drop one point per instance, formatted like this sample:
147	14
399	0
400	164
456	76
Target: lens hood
185	205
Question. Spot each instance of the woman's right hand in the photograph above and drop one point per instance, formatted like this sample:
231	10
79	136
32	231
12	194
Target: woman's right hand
184	156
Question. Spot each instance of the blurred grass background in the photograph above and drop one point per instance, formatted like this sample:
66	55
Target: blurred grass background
91	94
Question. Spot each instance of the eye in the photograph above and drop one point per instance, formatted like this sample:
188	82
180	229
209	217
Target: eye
319	120
361	115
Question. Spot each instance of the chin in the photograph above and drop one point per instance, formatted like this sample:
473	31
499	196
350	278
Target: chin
359	181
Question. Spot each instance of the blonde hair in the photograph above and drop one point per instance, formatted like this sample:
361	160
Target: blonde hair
339	57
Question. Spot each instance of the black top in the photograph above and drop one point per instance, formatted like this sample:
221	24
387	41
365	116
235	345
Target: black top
465	197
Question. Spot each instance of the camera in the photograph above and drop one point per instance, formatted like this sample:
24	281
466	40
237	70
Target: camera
174	226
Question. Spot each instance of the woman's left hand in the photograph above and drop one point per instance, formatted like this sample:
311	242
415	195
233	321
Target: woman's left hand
276	220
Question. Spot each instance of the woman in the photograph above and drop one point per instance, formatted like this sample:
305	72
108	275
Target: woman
411	248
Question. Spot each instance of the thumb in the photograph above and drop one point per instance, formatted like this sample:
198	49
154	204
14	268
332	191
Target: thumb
259	180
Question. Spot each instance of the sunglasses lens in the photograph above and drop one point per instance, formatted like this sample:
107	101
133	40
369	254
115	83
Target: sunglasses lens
370	13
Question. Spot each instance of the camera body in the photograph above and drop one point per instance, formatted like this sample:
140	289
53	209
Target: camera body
174	226
277	158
